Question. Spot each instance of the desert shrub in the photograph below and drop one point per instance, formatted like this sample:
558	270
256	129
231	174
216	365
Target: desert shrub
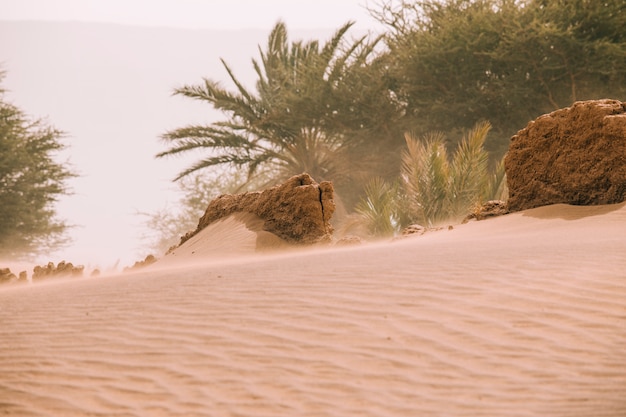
378	209
434	188
442	189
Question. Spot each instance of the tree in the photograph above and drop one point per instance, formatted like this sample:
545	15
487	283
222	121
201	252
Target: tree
456	62
379	208
442	189
317	108
564	51
30	183
434	188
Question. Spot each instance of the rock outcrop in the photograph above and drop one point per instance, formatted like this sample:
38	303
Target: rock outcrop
575	155
147	261
297	211
6	276
491	208
418	230
62	269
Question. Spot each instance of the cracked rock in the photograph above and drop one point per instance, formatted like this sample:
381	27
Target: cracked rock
297	211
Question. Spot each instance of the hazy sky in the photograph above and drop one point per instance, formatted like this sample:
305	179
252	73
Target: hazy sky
107	197
213	14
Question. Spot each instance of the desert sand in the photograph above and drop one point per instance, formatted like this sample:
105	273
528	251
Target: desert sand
520	315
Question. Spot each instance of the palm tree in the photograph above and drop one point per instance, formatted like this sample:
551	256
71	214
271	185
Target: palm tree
425	173
442	189
378	209
294	122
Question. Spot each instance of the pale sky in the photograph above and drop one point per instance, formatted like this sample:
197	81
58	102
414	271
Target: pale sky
211	14
108	197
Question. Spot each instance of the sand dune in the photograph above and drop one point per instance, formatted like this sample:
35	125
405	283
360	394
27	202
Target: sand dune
236	236
521	315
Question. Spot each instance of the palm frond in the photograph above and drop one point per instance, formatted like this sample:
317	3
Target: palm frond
224	159
207	137
242	90
469	170
337	68
496	186
221	99
426	172
442	190
284	125
378	208
330	49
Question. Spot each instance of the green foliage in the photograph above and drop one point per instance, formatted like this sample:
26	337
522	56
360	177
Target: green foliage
30	183
379	208
337	110
496	188
442	189
453	62
425	174
316	109
469	175
434	188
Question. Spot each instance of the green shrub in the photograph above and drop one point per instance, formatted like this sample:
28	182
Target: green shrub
433	187
378	208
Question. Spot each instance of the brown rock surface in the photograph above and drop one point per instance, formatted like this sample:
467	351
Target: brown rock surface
147	261
491	208
418	230
297	211
7	276
575	155
62	269
350	240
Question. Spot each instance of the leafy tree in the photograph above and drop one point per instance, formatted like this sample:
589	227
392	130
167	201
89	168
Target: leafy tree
317	108
30	183
564	51
455	62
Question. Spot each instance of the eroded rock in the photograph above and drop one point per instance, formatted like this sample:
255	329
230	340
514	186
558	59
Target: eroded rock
350	240
575	155
418	230
297	211
147	261
491	208
6	276
62	269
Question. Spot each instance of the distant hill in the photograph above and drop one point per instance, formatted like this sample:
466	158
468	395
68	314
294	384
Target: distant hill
109	87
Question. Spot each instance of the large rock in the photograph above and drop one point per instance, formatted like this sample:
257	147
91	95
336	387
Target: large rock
575	155
298	211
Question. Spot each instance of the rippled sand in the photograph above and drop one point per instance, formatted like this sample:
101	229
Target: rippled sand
522	315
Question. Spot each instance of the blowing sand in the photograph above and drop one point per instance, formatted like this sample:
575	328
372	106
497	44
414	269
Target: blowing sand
521	315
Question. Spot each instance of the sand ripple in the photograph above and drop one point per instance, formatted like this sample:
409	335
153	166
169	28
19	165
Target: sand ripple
456	324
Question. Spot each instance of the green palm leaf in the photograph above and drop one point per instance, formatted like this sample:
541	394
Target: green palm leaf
439	189
288	124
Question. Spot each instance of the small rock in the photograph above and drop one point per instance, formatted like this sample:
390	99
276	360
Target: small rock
350	240
149	260
491	208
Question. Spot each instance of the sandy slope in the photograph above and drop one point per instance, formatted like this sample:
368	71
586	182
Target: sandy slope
522	315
